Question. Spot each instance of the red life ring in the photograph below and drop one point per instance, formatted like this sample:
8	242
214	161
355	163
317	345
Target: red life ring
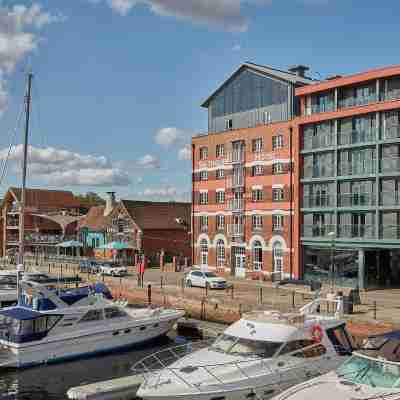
317	333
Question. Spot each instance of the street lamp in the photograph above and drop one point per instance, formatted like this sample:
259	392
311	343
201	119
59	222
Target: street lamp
332	236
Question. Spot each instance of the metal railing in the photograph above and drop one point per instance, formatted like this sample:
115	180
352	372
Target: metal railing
357	136
356	101
391	132
389	198
238	180
236	230
321	200
356	231
319	141
356	199
391	94
357	168
235	156
318	230
236	204
40	238
389	232
390	164
320	108
256	228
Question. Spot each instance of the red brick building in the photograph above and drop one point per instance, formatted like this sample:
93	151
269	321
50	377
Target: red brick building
243	175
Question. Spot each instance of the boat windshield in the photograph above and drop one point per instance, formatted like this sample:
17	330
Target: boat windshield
8	281
371	372
245	347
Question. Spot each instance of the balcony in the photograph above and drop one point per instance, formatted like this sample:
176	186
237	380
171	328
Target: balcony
40	239
236	205
277	228
235	156
12	223
318	201
320	108
356	199
318	171
392	94
357	101
389	198
366	167
390	232
237	180
356	231
204	228
321	231
391	132
390	164
318	142
357	136
256	228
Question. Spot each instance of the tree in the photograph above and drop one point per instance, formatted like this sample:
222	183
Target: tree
90	199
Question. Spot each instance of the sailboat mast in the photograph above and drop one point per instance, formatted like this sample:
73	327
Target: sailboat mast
23	189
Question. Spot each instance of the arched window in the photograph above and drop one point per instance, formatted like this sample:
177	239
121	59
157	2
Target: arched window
220	253
278	258
257	256
204	252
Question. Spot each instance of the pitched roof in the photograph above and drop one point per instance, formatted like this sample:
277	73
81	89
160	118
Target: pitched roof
94	219
286	76
47	198
158	215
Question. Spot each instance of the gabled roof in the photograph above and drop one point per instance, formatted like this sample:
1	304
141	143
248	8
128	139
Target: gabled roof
94	219
285	76
158	215
46	198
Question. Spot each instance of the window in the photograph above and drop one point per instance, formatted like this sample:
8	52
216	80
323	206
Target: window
257	221
220	253
203	197
221	222
257	145
114	312
203	153
228	124
277	142
277	255
340	340
277	194
257	194
220	150
203	175
277	168
277	222
204	222
203	254
220	196
257	170
257	256
303	348
220	174
92	315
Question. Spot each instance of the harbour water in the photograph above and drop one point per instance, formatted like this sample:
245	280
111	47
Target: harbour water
51	382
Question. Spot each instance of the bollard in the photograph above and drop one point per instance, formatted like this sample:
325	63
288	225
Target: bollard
49	268
240	310
232	291
261	295
293	299
149	294
183	285
161	282
206	289
374	309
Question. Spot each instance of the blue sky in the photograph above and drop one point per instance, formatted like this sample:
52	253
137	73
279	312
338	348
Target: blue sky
118	83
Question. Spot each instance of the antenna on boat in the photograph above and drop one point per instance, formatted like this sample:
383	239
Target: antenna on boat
20	266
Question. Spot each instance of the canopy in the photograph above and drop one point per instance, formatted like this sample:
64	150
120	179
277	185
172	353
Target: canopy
20	313
70	243
115	246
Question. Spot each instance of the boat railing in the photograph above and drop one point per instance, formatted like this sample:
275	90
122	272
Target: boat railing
155	365
334	307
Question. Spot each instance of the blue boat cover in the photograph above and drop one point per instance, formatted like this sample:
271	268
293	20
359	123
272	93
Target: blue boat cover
394	335
20	313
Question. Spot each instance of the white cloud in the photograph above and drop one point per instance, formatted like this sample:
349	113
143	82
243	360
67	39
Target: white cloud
149	161
63	167
19	26
161	192
169	136
185	153
227	14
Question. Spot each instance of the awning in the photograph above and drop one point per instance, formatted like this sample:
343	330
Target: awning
20	313
115	246
70	243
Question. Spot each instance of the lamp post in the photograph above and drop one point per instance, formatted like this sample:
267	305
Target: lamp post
332	236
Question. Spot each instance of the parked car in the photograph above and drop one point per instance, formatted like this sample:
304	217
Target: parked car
205	279
90	266
113	269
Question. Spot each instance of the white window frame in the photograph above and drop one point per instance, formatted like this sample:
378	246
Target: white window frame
277	142
204	223
257	195
258	170
220	250
277	167
257	221
203	197
277	256
203	153
277	194
257	255
204	252
277	222
220	222
257	145
220	150
220	196
228	124
204	175
220	173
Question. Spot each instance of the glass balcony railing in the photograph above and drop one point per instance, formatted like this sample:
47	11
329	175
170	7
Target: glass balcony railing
391	94
357	136
389	232
357	101
318	171
391	132
324	107
356	231
318	142
318	201
318	230
390	164
356	199
357	168
389	198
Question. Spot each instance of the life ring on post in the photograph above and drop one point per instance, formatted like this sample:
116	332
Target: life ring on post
317	333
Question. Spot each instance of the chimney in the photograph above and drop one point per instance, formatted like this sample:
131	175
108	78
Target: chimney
110	203
299	70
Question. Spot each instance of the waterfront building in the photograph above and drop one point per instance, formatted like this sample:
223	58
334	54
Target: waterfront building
348	134
243	175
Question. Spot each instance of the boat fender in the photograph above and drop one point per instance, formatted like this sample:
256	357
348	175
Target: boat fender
317	333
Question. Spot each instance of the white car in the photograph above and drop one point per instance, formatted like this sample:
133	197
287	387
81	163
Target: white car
112	270
205	279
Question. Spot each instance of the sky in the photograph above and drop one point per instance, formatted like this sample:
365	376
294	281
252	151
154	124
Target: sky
118	84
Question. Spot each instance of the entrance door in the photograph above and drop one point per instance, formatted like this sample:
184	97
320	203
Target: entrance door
238	263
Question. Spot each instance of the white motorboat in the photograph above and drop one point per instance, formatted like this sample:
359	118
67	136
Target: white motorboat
8	288
46	327
371	373
256	357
